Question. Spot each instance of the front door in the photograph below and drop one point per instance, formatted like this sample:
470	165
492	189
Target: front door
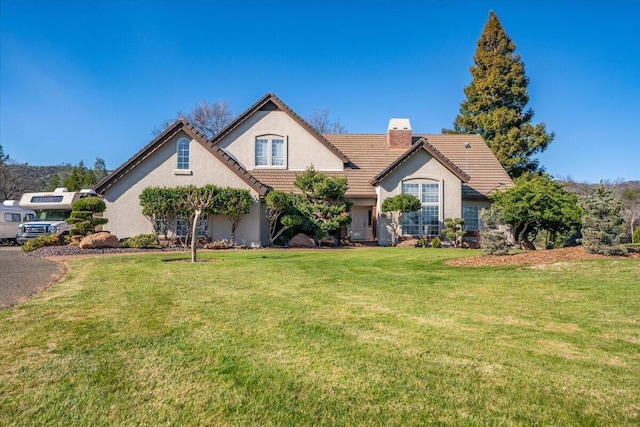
360	223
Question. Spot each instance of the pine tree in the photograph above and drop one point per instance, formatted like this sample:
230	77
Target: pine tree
496	101
602	222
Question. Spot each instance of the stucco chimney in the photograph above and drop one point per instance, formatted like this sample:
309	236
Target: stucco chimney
399	133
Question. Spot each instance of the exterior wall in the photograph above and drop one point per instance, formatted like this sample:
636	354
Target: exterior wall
122	199
301	148
419	166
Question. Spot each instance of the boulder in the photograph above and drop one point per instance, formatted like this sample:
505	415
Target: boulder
301	240
328	241
408	243
99	240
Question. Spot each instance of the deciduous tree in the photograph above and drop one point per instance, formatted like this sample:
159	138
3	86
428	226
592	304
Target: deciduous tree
198	200
234	203
537	202
208	118
496	100
321	122
631	208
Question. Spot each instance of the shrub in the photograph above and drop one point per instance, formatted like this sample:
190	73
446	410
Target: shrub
423	243
453	230
493	243
82	215
142	241
636	235
42	241
601	222
435	243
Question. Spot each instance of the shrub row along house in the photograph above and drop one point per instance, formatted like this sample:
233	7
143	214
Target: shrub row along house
268	145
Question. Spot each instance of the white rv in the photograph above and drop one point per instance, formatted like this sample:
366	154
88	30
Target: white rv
11	215
52	210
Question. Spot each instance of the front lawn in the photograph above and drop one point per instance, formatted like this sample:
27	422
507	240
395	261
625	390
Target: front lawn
382	336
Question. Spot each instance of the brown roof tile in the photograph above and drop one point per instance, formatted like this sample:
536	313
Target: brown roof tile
369	155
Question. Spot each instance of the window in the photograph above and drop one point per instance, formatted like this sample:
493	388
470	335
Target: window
470	216
182	227
270	151
425	222
183	153
12	217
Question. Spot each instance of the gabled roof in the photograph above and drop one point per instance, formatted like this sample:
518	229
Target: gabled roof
270	102
370	155
422	143
180	125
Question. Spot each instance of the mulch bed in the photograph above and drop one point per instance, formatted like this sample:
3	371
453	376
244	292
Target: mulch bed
538	257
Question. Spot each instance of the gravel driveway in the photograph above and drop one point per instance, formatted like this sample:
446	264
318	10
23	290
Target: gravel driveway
22	276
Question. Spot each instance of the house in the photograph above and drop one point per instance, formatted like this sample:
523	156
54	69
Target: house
268	145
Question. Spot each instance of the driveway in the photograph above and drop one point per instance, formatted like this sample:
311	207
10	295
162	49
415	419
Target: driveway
22	276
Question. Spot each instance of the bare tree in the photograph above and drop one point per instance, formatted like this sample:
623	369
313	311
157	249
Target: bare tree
199	200
208	118
12	182
321	122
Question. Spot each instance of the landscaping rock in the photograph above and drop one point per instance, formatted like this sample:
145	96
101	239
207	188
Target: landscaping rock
408	243
301	240
328	241
99	240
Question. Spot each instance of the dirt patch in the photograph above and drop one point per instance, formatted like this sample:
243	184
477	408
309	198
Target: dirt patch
539	257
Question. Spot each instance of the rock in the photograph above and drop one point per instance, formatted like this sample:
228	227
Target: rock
99	240
328	241
301	240
408	243
527	245
217	244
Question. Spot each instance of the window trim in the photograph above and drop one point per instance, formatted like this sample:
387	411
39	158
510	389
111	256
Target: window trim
270	137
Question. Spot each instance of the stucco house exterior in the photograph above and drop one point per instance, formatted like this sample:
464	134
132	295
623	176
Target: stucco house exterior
268	145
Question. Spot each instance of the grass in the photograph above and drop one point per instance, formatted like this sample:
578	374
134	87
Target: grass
334	337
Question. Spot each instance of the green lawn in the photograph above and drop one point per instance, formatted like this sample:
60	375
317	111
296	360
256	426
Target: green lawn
382	336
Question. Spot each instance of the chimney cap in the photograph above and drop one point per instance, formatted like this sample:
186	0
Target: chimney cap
399	124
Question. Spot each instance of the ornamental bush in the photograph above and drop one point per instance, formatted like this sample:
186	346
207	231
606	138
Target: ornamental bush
42	241
142	241
636	235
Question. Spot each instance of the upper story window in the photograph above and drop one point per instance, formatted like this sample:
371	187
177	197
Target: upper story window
270	151
425	222
183	153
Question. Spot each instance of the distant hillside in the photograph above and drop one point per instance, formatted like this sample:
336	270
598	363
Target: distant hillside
582	188
24	178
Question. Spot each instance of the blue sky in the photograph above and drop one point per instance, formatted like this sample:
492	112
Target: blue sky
87	79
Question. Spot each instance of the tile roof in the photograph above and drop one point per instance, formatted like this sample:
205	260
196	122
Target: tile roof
268	102
173	129
369	156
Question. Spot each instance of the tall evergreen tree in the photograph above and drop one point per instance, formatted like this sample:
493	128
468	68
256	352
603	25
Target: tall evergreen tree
496	103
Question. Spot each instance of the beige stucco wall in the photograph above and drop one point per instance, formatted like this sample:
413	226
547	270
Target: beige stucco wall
122	199
420	166
301	148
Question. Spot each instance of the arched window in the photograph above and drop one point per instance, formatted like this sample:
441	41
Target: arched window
183	153
425	222
270	151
